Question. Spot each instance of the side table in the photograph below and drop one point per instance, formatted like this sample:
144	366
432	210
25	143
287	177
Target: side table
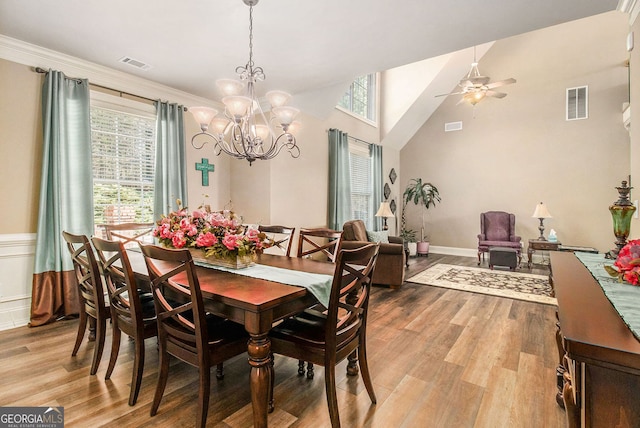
536	244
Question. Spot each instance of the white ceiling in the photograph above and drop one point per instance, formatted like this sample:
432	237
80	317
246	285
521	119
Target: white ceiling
304	47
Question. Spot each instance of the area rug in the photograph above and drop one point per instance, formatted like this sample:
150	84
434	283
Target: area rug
515	285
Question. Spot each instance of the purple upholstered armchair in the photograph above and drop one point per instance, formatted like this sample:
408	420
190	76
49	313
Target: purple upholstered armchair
497	229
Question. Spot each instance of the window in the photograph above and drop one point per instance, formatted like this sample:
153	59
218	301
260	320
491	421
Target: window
360	99
361	183
577	99
123	153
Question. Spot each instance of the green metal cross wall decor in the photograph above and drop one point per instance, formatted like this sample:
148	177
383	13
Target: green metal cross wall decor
205	168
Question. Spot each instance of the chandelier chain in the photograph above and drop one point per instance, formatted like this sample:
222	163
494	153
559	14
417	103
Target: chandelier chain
250	36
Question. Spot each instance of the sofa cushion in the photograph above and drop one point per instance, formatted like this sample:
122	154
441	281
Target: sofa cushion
382	236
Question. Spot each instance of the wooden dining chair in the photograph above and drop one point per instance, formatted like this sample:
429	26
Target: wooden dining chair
132	311
129	233
92	305
319	240
327	339
282	237
311	241
184	330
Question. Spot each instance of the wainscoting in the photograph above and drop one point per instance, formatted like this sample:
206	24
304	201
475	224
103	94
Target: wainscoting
16	272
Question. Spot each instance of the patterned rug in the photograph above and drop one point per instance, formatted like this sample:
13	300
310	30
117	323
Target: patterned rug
515	285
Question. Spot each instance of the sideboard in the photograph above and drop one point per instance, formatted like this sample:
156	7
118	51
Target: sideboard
600	357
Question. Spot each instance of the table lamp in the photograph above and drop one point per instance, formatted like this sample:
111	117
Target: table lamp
541	213
385	212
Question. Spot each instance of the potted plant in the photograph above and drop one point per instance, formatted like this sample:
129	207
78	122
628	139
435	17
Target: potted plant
409	238
425	195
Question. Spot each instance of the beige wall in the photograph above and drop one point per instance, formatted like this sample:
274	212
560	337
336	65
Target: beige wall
293	192
519	150
20	147
634	93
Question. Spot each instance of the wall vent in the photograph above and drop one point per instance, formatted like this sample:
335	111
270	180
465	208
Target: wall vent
452	126
578	103
134	63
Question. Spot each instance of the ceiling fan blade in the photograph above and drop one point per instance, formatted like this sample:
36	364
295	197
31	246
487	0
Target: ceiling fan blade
495	94
501	83
451	93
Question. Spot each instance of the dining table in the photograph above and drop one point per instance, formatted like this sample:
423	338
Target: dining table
255	303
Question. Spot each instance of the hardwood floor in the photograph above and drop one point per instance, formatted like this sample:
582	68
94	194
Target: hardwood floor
438	358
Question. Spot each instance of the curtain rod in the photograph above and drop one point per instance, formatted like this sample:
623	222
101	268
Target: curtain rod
356	139
359	140
43	71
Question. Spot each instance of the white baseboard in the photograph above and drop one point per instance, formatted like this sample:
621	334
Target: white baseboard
16	274
539	257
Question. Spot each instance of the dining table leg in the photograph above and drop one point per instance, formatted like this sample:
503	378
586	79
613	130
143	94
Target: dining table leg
259	350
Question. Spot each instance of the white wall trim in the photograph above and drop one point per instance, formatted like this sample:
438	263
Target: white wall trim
36	56
453	251
16	274
539	257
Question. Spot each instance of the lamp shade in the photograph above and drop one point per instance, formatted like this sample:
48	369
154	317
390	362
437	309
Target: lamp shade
230	87
203	116
237	105
541	211
285	114
278	98
384	210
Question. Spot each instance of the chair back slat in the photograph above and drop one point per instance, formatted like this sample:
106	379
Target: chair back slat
180	310
120	282
327	241
351	287
129	233
282	237
87	273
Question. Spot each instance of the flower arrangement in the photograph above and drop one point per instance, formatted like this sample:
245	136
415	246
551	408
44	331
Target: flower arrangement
220	234
628	263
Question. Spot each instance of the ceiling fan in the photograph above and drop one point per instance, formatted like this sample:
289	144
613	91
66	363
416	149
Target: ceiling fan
474	87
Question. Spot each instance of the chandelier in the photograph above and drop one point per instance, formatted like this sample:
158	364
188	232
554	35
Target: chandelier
243	131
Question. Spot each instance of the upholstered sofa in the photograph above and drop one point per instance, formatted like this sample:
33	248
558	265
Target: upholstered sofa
390	266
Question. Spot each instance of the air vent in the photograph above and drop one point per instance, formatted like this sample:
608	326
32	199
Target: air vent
577	103
135	63
452	126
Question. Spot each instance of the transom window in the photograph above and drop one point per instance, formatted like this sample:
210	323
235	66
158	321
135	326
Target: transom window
360	99
123	153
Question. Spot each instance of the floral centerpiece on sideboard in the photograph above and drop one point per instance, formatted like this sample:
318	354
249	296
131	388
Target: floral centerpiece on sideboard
216	237
627	263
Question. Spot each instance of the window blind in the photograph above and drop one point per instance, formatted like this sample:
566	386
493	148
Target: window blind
123	153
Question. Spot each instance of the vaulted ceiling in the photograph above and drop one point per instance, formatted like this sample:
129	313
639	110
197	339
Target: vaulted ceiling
307	48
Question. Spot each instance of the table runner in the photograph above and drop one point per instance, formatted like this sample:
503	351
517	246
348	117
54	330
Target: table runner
624	297
318	284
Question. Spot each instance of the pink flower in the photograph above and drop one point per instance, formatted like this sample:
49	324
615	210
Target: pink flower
230	241
178	239
206	240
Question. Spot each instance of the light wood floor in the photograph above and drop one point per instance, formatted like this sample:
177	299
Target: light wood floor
438	358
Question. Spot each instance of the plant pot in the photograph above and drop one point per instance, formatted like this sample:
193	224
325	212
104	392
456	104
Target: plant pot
423	248
235	262
413	248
